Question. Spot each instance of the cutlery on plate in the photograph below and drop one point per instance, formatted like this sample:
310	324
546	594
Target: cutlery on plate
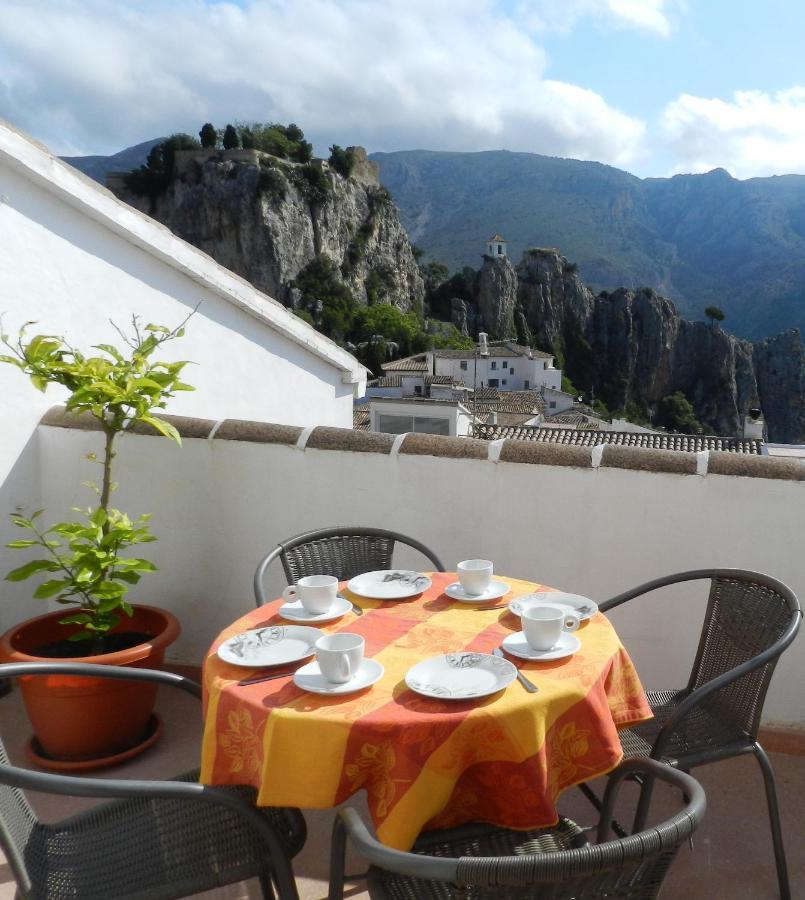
355	608
528	685
258	678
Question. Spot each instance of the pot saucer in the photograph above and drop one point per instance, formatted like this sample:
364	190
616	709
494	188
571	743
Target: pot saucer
517	645
35	753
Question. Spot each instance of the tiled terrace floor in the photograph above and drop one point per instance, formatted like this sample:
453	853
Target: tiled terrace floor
732	857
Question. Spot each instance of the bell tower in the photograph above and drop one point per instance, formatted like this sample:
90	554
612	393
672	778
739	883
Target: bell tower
496	246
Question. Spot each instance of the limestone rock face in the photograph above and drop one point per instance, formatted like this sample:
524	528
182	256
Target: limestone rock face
496	297
632	347
264	223
462	315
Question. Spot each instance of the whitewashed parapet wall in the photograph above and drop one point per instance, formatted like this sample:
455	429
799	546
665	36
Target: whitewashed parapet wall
593	522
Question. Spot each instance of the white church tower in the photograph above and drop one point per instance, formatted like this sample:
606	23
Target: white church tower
496	246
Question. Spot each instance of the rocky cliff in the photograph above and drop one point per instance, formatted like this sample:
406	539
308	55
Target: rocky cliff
633	348
266	219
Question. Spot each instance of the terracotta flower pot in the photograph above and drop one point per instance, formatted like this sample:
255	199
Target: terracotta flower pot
76	718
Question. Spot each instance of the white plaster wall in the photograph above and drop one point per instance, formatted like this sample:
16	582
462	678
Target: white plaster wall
71	274
219	506
533	370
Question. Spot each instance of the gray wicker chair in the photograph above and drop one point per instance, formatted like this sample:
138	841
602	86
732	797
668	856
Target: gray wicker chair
476	862
155	840
750	620
342	551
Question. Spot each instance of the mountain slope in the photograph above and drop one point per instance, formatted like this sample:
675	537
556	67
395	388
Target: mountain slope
97	167
699	239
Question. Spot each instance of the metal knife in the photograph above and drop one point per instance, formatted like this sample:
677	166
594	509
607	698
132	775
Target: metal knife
528	685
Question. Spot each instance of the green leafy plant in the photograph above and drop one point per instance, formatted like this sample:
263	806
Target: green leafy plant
85	559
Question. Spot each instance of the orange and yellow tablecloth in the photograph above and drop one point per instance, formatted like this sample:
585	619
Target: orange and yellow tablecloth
503	759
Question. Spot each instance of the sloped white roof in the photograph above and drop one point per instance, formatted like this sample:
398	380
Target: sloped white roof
35	162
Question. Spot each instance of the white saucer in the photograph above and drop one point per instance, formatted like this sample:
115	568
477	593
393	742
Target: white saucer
496	589
295	612
517	645
309	678
583	607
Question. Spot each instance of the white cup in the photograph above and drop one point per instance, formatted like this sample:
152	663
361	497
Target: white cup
543	625
475	575
339	656
317	593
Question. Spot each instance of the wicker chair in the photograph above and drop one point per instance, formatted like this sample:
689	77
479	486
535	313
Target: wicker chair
156	839
750	619
479	861
342	551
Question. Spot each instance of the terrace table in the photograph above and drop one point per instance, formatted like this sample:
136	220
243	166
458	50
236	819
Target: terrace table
424	763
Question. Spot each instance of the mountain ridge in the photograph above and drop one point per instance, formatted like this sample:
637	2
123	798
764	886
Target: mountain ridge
702	240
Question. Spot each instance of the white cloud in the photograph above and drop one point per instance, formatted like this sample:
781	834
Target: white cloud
93	75
562	15
754	133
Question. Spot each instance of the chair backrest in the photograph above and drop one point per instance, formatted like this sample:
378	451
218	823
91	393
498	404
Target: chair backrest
342	551
17	824
631	868
747	615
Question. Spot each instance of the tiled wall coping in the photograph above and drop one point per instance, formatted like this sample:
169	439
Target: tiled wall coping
506	451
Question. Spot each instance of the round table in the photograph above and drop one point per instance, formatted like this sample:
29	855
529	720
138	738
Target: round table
424	763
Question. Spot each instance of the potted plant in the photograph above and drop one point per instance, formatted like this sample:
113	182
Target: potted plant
80	722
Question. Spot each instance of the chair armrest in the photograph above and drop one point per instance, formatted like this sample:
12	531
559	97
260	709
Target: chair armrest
699	694
121	789
96	670
693	575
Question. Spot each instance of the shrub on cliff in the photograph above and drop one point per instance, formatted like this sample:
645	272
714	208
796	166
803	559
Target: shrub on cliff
675	412
311	182
231	138
152	178
208	135
342	161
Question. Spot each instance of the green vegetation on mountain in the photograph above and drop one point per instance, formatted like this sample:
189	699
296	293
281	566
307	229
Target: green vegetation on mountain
378	331
699	239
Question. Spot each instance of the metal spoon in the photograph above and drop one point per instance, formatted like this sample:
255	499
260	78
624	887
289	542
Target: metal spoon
528	685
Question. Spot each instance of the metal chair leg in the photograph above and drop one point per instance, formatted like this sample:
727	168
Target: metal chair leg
267	888
774	820
338	849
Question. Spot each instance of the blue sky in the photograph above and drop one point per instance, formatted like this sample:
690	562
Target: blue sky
651	86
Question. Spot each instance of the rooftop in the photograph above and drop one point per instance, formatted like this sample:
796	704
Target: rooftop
690	443
504	350
360	417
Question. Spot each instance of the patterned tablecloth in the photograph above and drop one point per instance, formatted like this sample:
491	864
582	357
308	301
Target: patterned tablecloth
424	763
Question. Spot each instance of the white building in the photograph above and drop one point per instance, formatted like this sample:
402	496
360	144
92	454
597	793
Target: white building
72	257
446	415
507	366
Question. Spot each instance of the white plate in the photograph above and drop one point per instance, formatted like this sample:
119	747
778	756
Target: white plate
389	584
460	676
309	678
495	590
517	645
582	606
272	645
295	612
